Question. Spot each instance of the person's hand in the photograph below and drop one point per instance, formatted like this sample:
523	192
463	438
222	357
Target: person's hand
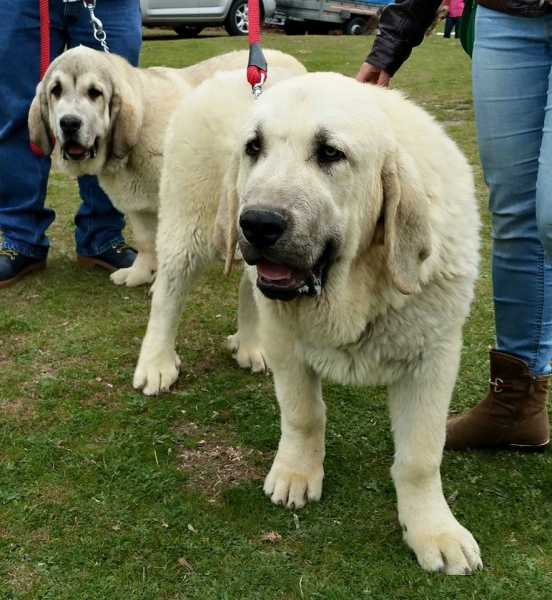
371	74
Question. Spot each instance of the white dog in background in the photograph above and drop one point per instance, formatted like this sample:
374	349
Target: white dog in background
109	119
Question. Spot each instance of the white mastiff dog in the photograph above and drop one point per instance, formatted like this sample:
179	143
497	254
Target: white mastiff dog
359	216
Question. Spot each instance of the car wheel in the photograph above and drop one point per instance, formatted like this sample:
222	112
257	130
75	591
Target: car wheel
187	31
354	26
237	22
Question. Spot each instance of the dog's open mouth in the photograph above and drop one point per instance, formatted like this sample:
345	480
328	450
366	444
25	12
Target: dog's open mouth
279	282
74	151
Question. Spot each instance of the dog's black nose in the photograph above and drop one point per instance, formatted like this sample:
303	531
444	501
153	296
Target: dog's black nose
70	123
262	227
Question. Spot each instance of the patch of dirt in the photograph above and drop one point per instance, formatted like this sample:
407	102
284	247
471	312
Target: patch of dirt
21	576
18	411
214	466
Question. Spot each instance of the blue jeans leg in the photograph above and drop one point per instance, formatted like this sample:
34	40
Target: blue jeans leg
23	176
512	59
99	225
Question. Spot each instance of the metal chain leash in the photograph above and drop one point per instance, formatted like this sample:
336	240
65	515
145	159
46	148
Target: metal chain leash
97	25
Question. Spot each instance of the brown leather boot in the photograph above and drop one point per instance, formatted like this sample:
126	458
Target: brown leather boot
513	414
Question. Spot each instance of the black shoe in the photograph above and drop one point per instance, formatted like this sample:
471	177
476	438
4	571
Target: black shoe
121	256
14	265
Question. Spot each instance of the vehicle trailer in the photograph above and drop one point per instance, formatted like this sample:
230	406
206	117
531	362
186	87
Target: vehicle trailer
321	16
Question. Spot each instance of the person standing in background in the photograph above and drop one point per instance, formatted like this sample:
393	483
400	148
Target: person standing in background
454	17
512	96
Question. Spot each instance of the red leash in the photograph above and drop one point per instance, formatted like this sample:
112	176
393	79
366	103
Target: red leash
44	13
44	36
257	69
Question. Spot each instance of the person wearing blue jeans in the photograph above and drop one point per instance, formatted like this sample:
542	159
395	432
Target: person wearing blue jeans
452	24
512	92
24	218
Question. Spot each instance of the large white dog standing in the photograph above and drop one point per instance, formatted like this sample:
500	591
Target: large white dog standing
360	217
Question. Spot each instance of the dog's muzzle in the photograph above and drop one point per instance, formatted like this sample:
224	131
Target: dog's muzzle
277	279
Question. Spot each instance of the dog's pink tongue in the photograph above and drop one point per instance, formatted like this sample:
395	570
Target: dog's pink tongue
273	272
75	149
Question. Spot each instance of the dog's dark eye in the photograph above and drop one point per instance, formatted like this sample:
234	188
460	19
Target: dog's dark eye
94	93
56	90
253	148
330	154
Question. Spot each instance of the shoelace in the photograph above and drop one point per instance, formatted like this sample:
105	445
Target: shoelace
8	252
122	246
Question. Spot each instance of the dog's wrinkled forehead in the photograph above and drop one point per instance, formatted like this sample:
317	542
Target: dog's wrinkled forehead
77	70
311	107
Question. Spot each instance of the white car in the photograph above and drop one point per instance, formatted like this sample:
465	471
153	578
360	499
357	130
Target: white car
189	17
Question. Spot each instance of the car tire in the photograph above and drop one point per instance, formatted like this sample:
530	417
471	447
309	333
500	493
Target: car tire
187	31
237	19
354	26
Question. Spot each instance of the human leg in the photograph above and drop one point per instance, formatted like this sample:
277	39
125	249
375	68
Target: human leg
23	175
511	65
544	178
449	24
99	226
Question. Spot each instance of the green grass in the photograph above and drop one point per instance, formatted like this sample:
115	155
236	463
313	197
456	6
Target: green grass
104	492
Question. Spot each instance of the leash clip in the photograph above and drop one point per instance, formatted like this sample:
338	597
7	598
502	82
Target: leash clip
97	25
257	88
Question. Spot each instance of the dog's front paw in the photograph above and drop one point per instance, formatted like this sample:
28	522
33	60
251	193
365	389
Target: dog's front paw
293	487
449	549
156	372
132	277
249	355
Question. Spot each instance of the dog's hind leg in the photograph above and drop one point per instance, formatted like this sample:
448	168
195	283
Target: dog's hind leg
245	344
144	228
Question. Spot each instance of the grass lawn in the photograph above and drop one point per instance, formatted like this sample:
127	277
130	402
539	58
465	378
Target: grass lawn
106	494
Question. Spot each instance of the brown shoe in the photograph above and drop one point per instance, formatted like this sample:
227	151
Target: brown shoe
513	414
121	256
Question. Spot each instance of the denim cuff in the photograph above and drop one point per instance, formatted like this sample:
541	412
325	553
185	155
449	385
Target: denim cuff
29	251
96	251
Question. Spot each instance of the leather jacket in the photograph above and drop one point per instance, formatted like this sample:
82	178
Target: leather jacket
403	25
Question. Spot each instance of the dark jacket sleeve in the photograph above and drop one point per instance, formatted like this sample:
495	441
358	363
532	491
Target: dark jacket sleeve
402	26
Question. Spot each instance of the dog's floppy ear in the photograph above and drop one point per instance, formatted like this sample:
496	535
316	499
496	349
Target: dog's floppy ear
406	224
127	117
39	129
226	224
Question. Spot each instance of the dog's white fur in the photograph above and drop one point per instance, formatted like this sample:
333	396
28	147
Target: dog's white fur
199	144
128	123
402	205
397	291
